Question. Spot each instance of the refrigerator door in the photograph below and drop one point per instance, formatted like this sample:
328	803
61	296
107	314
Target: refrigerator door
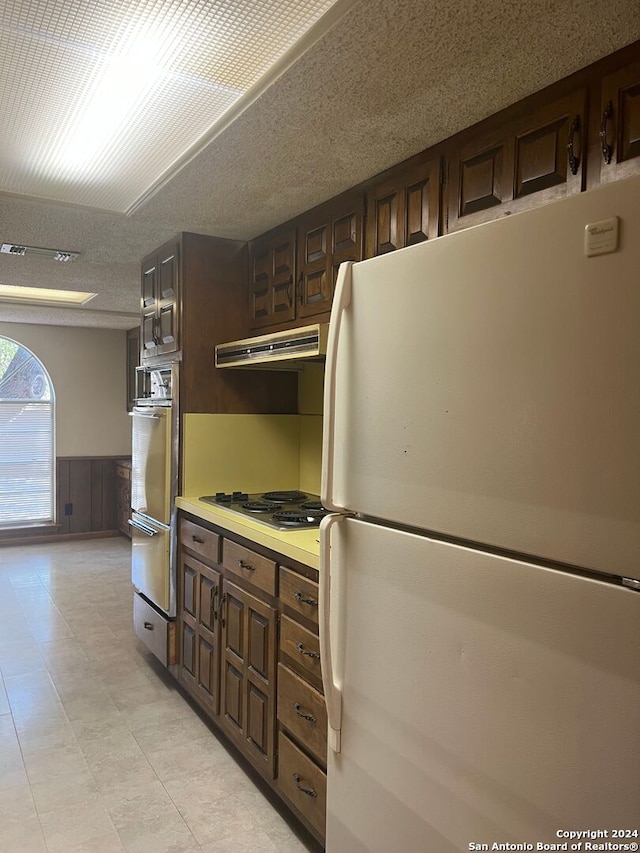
483	699
484	386
151	462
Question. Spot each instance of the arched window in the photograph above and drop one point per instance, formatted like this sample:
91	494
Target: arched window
26	438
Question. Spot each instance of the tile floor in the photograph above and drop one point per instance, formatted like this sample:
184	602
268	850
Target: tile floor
99	751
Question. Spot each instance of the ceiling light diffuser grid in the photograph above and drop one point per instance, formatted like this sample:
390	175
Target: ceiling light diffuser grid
100	97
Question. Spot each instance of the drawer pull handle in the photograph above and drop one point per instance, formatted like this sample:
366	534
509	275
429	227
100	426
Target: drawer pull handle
308	791
197	539
301	599
309	717
246	566
148	626
309	654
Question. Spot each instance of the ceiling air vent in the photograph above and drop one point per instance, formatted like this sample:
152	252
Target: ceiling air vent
56	254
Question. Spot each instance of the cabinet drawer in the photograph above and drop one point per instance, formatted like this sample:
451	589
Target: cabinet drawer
254	568
302	647
155	630
199	539
299	594
302	710
302	783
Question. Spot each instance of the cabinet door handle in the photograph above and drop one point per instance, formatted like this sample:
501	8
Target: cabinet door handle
607	150
301	649
300	294
299	597
148	626
214	611
309	717
197	539
246	566
223	601
574	161
297	778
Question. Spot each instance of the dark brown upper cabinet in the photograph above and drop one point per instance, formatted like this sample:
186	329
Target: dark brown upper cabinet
620	124
403	208
520	163
328	235
272	278
160	301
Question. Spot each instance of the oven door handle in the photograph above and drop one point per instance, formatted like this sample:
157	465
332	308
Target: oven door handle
144	528
145	415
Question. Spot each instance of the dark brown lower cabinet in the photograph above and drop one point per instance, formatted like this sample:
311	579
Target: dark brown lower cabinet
199	590
249	628
247	632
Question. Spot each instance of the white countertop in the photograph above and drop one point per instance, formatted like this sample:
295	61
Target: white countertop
300	545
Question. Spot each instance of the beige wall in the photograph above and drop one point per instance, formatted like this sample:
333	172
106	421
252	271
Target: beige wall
88	371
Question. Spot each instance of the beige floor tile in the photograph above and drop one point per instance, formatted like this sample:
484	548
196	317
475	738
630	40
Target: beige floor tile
242	841
49	764
4	701
64	791
104	844
36	739
23	836
76	825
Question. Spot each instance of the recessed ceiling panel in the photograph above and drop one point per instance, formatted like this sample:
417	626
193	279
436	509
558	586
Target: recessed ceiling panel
100	98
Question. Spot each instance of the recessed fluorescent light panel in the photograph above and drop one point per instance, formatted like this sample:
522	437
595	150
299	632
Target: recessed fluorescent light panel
103	100
44	296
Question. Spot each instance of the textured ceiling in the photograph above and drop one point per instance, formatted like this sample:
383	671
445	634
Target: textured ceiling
388	80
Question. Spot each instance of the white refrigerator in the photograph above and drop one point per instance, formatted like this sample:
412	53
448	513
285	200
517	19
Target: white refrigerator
480	569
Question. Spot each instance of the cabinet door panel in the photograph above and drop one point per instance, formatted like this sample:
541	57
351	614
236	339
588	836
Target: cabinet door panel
233	705
541	157
404	208
271	285
346	237
188	650
387	236
327	236
316	290
168	275
208	601
417	212
248	684
480	181
198	593
149	281
316	245
234	625
189	588
258	657
148	332
208	670
620	124
259	722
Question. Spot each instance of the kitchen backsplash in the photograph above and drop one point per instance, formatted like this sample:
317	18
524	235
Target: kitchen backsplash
222	453
251	452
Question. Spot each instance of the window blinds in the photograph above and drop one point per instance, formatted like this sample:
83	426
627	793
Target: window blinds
26	463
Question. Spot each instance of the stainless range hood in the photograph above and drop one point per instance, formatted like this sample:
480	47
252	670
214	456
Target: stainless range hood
281	349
